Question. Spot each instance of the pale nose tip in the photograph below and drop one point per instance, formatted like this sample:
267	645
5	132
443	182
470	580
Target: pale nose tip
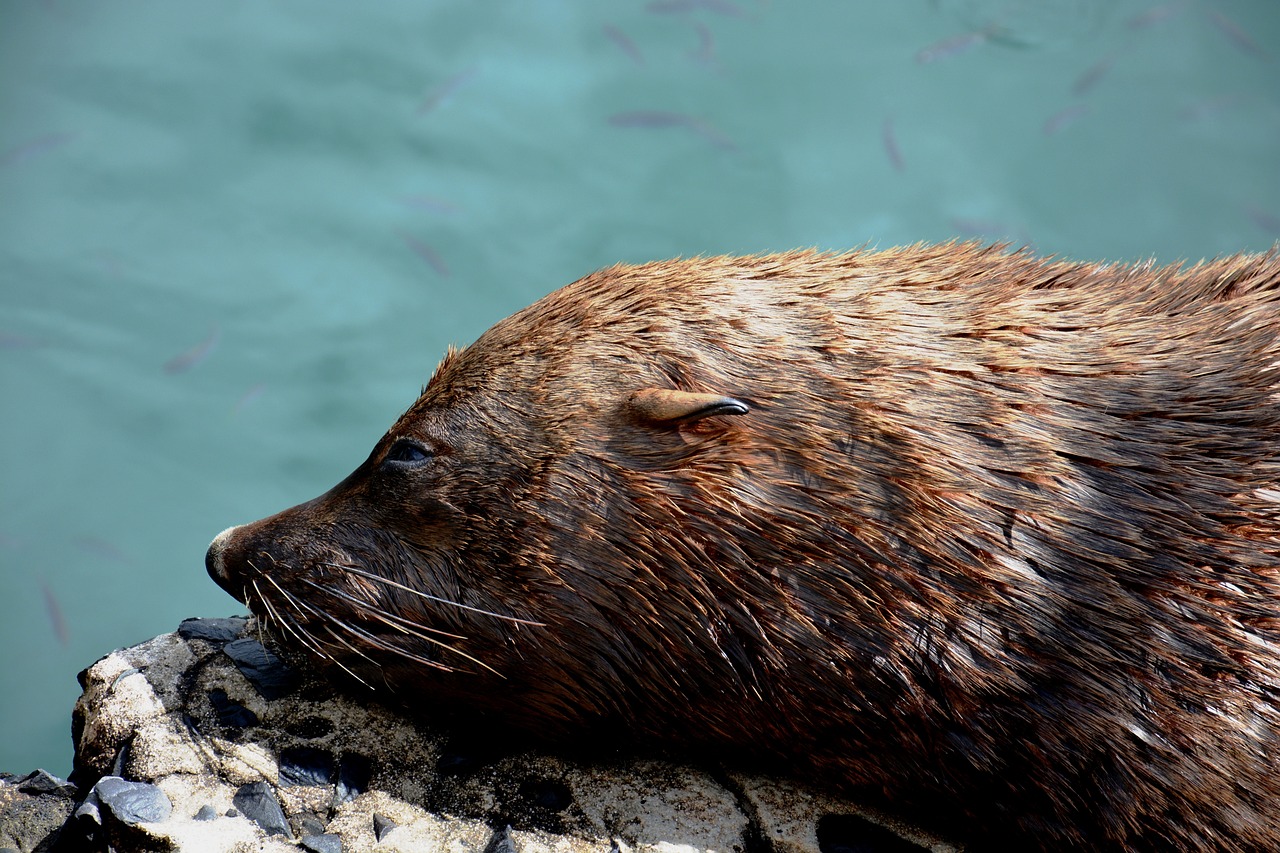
213	557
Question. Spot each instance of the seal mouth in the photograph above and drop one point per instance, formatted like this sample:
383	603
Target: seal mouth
213	562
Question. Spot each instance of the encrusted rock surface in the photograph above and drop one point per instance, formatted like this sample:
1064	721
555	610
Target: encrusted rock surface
203	740
32	809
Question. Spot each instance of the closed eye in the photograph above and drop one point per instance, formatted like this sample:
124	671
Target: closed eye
407	453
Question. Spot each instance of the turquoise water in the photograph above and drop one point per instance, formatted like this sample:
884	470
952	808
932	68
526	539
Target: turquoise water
235	237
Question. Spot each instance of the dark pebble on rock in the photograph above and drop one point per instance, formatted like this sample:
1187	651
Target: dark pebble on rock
353	776
132	802
266	672
382	825
306	765
89	811
207	813
44	782
258	802
502	842
310	824
322	843
212	630
229	712
121	759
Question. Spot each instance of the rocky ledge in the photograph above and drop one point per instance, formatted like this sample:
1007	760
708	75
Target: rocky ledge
204	740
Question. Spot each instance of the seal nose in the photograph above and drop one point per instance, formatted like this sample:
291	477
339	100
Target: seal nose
213	557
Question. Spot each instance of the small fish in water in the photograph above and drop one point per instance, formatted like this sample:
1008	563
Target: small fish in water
248	397
56	619
1264	219
624	43
12	340
1236	33
35	147
705	52
428	254
1154	15
1094	73
184	361
720	7
440	95
429	203
100	547
891	146
952	46
664	119
1064	118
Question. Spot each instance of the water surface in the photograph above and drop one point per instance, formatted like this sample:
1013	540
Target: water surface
235	237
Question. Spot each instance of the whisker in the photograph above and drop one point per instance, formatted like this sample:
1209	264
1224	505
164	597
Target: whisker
327	626
270	614
257	622
343	666
317	648
364	605
308	640
420	593
328	622
379	643
402	625
285	625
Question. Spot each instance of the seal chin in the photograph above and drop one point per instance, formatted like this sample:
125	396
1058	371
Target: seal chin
213	562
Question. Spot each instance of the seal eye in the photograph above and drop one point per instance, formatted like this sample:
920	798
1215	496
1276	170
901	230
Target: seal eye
406	454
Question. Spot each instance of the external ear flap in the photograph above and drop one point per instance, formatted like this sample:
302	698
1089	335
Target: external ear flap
662	406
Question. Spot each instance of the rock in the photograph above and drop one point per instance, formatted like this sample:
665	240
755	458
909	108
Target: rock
327	843
353	777
231	714
257	801
502	842
310	824
296	759
306	765
31	821
213	630
44	782
132	802
382	825
268	674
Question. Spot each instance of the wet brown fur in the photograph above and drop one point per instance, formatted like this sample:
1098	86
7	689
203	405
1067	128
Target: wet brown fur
999	535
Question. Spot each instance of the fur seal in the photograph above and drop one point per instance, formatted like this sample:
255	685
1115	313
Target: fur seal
986	535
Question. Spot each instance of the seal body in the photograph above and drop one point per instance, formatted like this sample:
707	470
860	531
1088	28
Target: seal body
981	534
